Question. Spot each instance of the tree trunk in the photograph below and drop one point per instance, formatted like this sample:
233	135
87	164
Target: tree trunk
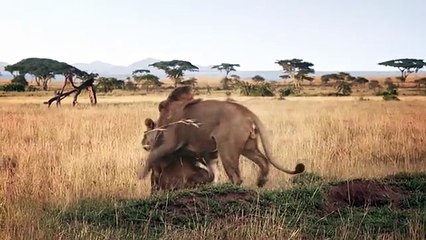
403	76
37	80
45	84
92	95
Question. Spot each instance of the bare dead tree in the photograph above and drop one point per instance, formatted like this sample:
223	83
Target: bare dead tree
88	85
68	80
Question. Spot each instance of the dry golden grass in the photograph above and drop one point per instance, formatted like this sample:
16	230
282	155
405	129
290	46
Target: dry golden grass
67	154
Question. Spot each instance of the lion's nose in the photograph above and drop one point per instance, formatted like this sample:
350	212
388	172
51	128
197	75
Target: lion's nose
147	147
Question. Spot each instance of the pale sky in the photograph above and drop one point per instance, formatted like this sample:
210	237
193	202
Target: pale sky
336	35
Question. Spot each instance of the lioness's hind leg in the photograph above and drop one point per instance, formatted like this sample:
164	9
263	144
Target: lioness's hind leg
230	161
252	152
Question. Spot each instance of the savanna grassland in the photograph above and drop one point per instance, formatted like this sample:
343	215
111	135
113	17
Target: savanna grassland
70	173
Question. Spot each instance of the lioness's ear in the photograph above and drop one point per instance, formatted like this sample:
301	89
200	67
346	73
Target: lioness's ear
149	123
181	93
162	105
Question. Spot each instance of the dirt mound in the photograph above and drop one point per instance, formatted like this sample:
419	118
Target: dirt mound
361	193
188	205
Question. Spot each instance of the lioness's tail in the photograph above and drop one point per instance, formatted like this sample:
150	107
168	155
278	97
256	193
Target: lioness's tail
300	167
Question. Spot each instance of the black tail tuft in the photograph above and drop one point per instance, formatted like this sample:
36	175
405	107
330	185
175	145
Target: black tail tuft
300	167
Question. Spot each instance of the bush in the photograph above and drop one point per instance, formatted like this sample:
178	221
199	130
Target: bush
13	87
391	93
263	89
32	88
391	89
343	88
20	79
258	78
130	86
285	92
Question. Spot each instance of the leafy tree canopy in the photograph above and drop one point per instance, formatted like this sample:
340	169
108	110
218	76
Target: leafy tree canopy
140	72
405	65
144	78
108	84
342	76
337	77
147	78
43	68
227	67
296	69
175	69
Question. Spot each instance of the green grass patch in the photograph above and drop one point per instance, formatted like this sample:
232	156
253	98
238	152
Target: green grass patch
227	210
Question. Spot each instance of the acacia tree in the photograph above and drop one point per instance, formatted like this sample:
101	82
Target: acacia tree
227	67
43	69
144	78
342	76
107	84
343	82
297	70
175	69
405	65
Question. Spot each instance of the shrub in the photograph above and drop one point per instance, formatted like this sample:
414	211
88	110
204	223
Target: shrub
20	79
344	88
258	78
285	92
263	89
391	93
13	87
32	88
129	85
375	85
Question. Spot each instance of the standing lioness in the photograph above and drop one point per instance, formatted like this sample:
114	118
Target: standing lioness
230	127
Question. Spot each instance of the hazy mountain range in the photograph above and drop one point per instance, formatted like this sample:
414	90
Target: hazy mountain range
108	69
121	72
104	68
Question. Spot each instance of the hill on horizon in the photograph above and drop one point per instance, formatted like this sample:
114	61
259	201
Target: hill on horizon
2	64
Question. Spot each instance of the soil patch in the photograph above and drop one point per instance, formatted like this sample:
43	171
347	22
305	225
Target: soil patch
362	193
191	204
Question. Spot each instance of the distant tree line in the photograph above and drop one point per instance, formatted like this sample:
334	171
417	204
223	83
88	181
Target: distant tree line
43	70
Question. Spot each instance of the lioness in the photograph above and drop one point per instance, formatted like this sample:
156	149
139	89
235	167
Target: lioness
229	126
183	171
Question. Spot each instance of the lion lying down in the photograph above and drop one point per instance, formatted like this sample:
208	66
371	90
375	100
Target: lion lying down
184	170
